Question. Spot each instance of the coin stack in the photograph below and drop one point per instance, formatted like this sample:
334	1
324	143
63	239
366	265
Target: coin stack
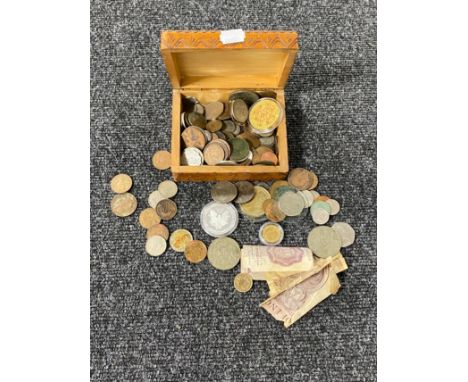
237	133
124	203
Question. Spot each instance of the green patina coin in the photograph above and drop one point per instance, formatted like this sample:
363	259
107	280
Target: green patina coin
320	204
281	190
240	149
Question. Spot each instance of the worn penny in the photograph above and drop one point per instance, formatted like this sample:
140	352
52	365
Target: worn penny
161	160
300	178
158	230
166	209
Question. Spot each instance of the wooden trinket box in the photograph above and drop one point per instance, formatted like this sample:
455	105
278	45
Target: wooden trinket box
200	65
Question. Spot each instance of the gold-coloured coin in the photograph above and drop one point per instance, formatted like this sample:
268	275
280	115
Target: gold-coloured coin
243	282
123	204
179	239
158	230
265	114
148	218
195	251
271	233
121	183
161	160
254	208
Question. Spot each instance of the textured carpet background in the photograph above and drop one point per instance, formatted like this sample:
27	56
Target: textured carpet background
161	319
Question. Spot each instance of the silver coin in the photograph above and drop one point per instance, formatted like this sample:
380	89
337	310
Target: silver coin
224	192
192	157
291	203
320	216
219	219
346	233
249	97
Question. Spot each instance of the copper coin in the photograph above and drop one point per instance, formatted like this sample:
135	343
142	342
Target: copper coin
194	137
272	211
123	204
166	209
245	191
263	149
269	157
214	126
161	160
121	183
214	153
158	230
300	178
148	217
213	110
195	251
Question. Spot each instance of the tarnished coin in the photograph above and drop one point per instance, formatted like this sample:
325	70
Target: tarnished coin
191	156
121	183
272	211
148	217
346	233
154	198
158	230
319	204
167	189
254	208
161	160
223	192
271	233
179	239
300	178
194	137
219	219
240	149
335	206
123	204
196	119
213	110
243	282
166	209
214	126
276	184
214	153
291	203
245	191
224	253
155	246
228	126
195	251
320	216
324	241
239	110
282	190
249	97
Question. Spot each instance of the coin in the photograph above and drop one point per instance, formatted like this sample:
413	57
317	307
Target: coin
308	198
155	245
214	126
161	160
346	233
123	204
300	178
268	158
277	184
223	192
324	241
314	180
166	209
148	217
247	96
191	156
245	191
335	206
322	198
291	203
314	193
154	198
219	219
239	110
167	188
254	207
196	119
320	204
243	282
224	253
281	190
121	183
240	149
271	233
320	216
194	137
214	153
158	230
213	110
195	251
272	211
179	239
265	115
251	139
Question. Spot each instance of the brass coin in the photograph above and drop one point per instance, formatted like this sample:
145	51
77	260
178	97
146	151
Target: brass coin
243	282
214	126
195	251
121	183
223	192
300	178
213	110
148	217
123	204
161	160
166	209
245	191
179	239
254	208
158	230
194	137
272	211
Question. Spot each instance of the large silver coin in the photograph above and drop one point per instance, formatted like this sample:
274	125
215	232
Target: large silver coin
223	192
219	219
324	242
224	253
291	203
346	232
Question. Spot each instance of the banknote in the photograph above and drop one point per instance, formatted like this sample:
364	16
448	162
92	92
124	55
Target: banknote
278	284
291	304
268	262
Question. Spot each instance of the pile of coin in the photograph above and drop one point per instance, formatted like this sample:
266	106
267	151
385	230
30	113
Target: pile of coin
240	132
124	203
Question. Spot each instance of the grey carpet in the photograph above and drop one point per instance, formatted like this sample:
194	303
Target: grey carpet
161	319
